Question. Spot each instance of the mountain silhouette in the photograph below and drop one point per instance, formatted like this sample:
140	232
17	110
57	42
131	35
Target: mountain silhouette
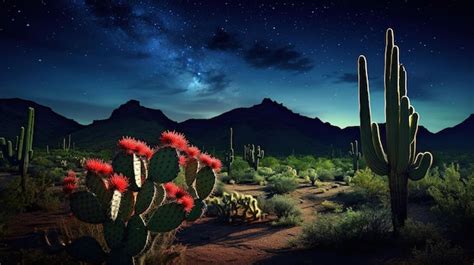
270	124
49	125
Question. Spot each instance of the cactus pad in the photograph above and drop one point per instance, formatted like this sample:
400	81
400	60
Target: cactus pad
130	166
113	233
197	210
191	170
96	185
166	218
137	236
86	249
145	197
205	181
86	207
163	166
126	206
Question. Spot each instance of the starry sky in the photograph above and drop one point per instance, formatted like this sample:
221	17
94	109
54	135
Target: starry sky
197	59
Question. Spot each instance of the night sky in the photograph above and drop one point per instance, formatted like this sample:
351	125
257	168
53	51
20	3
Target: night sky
197	59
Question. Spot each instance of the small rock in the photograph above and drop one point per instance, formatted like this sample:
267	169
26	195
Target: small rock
334	185
232	182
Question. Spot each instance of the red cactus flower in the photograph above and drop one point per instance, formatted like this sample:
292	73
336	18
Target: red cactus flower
216	164
71	173
98	166
193	151
70	182
69	187
205	159
174	139
171	189
128	144
187	201
182	161
118	182
144	150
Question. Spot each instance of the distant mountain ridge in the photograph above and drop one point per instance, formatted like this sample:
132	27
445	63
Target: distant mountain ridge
270	124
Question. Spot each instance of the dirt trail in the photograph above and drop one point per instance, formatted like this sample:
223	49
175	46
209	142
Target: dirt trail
211	242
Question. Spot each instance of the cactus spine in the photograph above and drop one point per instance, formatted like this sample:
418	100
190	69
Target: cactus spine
229	155
21	154
399	161
253	155
355	155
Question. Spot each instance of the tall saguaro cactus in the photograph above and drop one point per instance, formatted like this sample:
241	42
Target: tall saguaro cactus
253	155
399	160
229	155
355	155
22	152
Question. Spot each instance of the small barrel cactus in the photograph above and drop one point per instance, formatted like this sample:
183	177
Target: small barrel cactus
133	198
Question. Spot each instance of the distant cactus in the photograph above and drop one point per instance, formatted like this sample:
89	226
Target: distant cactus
229	155
20	154
253	155
236	206
355	155
400	162
133	198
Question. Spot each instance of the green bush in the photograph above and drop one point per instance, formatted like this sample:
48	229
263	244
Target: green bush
286	209
265	171
418	190
270	161
374	186
309	174
348	229
325	174
454	199
243	176
439	252
281	184
416	234
331	206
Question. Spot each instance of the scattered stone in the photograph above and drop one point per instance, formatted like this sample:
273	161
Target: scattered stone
231	182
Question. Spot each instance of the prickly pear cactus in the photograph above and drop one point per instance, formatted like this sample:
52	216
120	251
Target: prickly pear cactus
236	207
134	200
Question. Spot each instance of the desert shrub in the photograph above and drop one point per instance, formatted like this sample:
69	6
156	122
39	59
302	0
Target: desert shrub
259	179
239	165
265	171
438	252
325	174
280	184
224	177
38	196
331	206
345	164
286	209
375	187
348	229
310	174
270	161
454	199
418	190
243	176
163	250
286	171
354	199
416	233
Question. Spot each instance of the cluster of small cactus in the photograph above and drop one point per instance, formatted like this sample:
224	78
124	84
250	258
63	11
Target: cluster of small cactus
67	146
355	155
229	155
399	161
133	198
236	207
21	153
253	155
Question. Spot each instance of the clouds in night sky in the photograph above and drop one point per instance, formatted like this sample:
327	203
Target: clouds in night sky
282	58
224	41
